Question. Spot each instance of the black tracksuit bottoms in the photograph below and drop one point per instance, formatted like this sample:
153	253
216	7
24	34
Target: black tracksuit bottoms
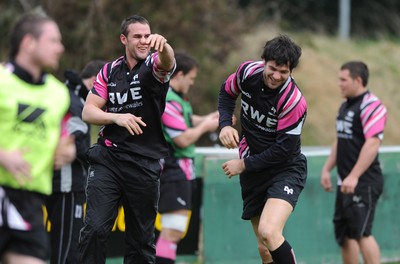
116	178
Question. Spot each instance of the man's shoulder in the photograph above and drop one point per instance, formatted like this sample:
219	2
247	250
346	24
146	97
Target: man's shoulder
370	100
251	65
247	70
115	63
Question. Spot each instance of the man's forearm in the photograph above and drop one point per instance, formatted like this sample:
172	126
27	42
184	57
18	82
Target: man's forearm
96	116
167	58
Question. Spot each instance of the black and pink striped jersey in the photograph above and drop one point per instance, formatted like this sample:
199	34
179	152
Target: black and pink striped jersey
271	119
358	119
140	91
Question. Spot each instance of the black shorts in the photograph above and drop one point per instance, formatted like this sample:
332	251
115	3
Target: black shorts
354	213
285	182
25	234
175	195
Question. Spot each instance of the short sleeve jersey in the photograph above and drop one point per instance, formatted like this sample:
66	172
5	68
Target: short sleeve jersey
30	119
177	118
358	119
140	91
271	119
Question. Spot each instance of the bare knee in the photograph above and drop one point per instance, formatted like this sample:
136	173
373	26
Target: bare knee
271	237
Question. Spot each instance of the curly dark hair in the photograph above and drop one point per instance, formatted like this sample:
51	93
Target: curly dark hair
283	50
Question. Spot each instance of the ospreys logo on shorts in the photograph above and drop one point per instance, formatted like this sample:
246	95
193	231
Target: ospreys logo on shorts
357	198
288	190
181	201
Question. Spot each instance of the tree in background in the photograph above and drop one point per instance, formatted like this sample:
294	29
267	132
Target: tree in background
211	30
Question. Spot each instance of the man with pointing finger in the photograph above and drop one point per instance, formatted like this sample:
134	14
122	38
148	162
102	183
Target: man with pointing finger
127	99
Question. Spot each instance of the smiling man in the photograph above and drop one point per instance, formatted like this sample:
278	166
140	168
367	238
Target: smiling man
272	169
127	99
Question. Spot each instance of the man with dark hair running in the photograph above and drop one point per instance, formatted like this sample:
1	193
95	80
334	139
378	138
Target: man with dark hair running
128	100
360	124
272	169
32	105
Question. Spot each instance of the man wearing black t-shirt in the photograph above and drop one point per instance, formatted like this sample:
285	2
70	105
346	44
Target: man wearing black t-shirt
359	124
128	100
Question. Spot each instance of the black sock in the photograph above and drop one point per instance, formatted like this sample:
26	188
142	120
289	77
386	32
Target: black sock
160	260
283	254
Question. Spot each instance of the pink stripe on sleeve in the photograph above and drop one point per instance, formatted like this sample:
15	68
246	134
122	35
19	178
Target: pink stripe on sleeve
231	86
296	113
100	84
286	91
244	150
251	68
291	107
376	122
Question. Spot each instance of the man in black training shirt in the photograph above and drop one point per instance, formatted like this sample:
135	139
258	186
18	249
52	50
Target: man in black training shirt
125	163
359	124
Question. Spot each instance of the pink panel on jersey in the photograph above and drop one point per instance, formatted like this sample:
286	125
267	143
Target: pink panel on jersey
293	111
243	148
172	116
376	122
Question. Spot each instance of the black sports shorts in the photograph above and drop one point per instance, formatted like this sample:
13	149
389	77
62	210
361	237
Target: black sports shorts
175	195
354	213
25	233
283	182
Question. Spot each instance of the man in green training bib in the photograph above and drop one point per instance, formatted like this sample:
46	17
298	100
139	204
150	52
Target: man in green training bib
32	105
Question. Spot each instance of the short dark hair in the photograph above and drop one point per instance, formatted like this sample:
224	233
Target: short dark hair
27	24
357	69
184	63
131	20
283	50
92	68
